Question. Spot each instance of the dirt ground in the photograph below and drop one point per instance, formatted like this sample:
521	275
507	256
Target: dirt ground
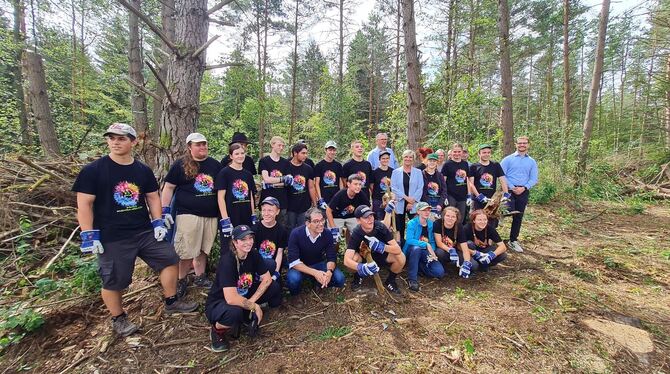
582	262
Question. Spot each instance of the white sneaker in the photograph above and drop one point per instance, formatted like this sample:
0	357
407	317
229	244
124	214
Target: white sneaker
516	247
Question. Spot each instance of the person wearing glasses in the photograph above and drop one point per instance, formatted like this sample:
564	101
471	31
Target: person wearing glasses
374	155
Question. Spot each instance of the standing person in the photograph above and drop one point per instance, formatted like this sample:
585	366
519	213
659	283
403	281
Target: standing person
116	195
327	176
381	139
235	194
381	183
358	165
420	247
441	158
455	171
312	254
191	181
274	173
407	185
340	210
301	194
423	157
248	163
521	174
385	250
484	177
271	236
308	160
451	241
434	187
242	283
466	155
485	245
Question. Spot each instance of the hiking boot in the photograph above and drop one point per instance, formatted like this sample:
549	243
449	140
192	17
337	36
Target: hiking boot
202	281
122	326
515	246
182	288
413	285
392	286
356	283
219	340
180	307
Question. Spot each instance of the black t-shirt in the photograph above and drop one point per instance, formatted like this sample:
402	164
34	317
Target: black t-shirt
486	177
329	174
482	236
379	231
274	169
381	182
424	234
448	236
120	207
298	193
344	206
240	187
433	188
247	164
421	166
309	162
363	169
197	195
456	174
269	240
245	275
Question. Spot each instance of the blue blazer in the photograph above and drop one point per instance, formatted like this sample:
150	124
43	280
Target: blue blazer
413	233
415	188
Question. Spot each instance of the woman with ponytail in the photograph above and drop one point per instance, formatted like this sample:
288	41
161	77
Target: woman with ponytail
451	242
484	242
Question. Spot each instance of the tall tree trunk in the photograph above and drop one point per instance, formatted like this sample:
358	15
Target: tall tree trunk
40	104
447	59
294	69
530	90
506	118
138	101
567	123
262	125
647	92
667	103
415	124
397	47
167	25
471	47
593	93
340	65
19	33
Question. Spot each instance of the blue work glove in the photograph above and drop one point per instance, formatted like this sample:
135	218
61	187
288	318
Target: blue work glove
390	207
254	220
482	199
90	242
287	179
453	256
335	232
477	256
322	204
468	200
506	197
375	245
430	258
487	258
366	270
226	227
266	186
159	229
436	209
464	272
167	217
275	275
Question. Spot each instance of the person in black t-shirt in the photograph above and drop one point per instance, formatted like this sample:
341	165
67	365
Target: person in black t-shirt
385	250
484	176
358	165
242	283
113	194
484	242
271	236
274	173
248	163
191	181
381	183
301	195
452	245
236	191
434	188
327	176
456	171
340	210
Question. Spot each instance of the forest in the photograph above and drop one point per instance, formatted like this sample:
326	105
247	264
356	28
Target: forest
588	82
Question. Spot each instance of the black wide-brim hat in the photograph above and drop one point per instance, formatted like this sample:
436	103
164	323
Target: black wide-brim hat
239	137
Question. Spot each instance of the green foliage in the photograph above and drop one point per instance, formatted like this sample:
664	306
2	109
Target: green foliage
583	275
543	193
602	183
469	347
332	332
15	322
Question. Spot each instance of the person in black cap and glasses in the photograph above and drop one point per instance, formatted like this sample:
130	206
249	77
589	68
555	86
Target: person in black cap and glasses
242	283
271	236
248	164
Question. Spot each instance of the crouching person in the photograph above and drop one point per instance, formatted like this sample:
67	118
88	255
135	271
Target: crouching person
420	248
385	250
242	283
485	245
312	254
452	247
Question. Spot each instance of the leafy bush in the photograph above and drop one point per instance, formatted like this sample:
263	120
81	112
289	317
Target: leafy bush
543	193
16	322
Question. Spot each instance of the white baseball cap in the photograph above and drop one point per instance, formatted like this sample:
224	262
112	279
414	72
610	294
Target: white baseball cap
195	137
331	144
120	129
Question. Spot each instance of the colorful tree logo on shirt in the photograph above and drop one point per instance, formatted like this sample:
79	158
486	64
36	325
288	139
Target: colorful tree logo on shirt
276	173
424	239
461	175
363	176
126	194
348	210
299	183
384	184
203	183
433	189
240	189
486	180
447	240
267	249
329	177
244	282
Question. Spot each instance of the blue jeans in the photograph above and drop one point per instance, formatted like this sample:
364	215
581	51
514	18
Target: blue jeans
417	261
294	278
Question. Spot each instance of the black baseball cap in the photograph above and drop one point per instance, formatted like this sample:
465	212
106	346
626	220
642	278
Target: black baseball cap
382	153
271	201
241	231
363	211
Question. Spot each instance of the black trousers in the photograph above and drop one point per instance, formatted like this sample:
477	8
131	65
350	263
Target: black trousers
518	202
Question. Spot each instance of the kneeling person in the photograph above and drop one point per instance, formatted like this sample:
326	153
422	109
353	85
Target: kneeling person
340	210
242	282
385	250
484	242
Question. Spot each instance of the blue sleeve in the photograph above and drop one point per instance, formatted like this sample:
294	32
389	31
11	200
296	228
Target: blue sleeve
418	191
413	233
396	184
532	181
504	164
394	162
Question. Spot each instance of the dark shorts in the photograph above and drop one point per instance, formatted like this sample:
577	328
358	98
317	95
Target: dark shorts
117	263
381	258
230	315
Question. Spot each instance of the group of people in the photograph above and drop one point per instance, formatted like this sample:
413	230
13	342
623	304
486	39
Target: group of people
410	217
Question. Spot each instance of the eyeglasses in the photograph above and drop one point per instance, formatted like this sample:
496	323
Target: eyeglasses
317	221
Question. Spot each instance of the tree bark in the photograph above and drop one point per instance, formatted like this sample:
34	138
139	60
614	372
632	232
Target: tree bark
167	25
567	124
39	100
667	103
593	93
415	125
263	76
294	74
340	66
138	101
397	47
19	33
447	59
506	118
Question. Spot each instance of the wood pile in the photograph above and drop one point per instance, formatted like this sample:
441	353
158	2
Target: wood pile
658	186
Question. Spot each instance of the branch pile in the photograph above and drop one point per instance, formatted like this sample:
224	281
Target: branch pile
658	186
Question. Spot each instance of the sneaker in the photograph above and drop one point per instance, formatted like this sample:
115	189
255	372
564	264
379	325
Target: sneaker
392	286
413	285
219	340
122	326
356	283
182	288
180	307
202	281
515	246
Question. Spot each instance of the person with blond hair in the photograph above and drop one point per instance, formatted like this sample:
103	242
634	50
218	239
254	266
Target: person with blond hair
275	176
407	186
360	166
